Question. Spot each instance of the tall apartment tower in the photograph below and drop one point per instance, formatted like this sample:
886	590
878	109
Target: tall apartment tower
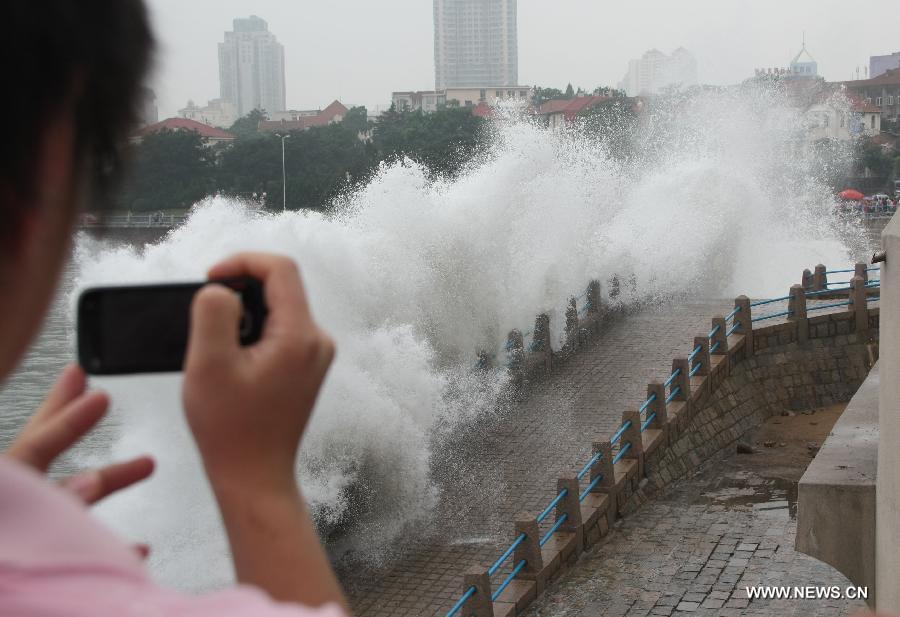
251	67
475	43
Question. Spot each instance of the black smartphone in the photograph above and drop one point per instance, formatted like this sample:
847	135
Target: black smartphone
144	328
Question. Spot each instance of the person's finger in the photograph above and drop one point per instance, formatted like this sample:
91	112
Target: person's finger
39	446
284	293
92	486
69	385
143	550
215	319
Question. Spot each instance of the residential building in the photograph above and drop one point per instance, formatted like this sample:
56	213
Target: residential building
210	134
251	67
561	113
832	119
302	120
492	95
217	112
882	91
428	100
475	43
655	71
878	65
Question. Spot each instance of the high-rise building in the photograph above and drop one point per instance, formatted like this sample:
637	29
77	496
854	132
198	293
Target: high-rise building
475	44
655	70
251	67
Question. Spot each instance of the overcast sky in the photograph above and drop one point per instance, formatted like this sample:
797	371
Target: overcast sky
359	51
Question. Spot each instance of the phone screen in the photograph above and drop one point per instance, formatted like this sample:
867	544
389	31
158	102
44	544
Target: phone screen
144	329
137	329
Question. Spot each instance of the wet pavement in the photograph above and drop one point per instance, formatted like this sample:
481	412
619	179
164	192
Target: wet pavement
696	548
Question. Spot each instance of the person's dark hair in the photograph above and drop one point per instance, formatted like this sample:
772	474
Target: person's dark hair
93	53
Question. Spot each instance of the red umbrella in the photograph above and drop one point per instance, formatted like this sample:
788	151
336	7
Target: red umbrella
851	194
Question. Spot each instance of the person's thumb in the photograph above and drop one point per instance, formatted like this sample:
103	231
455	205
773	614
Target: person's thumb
214	334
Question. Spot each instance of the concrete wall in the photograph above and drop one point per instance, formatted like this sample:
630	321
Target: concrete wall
887	517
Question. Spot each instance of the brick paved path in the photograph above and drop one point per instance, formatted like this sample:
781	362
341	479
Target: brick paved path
510	465
693	550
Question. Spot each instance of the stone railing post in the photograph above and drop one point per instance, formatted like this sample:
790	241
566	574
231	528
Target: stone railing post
571	506
807	280
541	338
632	435
861	269
515	350
703	356
820	279
530	548
682	381
859	304
657	392
607	484
745	318
483	360
572	325
593	298
719	340
614	287
480	604
797	312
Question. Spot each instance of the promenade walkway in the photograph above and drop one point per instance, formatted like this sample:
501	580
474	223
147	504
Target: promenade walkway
511	465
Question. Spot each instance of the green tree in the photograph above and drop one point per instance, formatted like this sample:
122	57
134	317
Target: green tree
570	92
170	169
357	119
443	141
543	95
248	126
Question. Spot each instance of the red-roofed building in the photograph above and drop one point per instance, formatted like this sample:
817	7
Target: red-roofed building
302	120
210	134
561	113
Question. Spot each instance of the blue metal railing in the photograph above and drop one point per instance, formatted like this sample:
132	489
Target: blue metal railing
584	470
717	343
772	316
620	432
822	307
729	332
590	487
810	294
840	271
647	403
465	598
508	580
672	377
696	368
694	353
770	301
553	504
622	452
674	393
500	561
648	421
733	314
559	523
714	331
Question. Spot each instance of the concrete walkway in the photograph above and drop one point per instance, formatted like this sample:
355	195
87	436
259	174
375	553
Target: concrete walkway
511	465
695	549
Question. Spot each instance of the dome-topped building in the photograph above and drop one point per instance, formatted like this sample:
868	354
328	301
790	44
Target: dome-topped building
804	65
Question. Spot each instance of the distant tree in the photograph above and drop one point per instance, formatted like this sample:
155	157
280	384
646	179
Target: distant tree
248	126
443	141
543	95
570	92
357	119
169	169
872	157
608	91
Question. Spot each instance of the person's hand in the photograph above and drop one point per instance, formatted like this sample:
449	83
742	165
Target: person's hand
67	414
248	406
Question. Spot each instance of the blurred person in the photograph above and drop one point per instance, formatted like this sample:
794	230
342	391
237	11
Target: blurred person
77	68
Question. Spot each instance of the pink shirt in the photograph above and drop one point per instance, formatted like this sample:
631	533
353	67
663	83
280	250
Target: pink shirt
56	561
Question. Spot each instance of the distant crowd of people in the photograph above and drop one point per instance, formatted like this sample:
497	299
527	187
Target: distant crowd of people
877	204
